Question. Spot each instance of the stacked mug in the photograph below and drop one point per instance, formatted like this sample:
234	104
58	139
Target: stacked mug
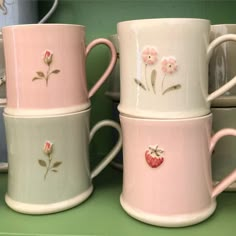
166	120
221	70
14	12
47	117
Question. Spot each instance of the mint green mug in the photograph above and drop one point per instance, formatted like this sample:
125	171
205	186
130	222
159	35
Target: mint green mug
48	161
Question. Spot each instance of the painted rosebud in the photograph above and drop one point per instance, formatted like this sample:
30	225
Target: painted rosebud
47	57
47	147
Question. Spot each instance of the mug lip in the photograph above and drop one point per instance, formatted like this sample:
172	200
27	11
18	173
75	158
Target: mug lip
173	20
44	25
221	25
46	116
168	120
225	109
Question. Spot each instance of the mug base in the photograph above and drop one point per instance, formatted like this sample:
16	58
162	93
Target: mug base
168	221
38	209
162	114
46	112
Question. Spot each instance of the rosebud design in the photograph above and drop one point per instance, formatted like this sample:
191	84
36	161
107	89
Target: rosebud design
47	57
48	60
48	150
47	147
154	156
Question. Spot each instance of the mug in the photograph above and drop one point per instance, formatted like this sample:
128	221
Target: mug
167	170
2	74
222	65
14	12
164	67
49	161
224	155
113	90
46	77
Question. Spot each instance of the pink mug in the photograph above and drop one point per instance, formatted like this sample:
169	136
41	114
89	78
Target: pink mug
45	68
167	170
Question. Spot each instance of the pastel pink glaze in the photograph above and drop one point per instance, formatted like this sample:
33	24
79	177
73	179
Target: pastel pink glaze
24	47
182	184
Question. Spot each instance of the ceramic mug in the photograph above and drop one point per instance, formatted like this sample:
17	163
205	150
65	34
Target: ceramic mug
113	90
48	161
222	65
14	12
224	155
47	77
164	67
167	170
2	73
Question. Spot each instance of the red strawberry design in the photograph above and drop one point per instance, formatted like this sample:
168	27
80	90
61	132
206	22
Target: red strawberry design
154	156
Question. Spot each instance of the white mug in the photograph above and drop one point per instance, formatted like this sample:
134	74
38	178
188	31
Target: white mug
164	67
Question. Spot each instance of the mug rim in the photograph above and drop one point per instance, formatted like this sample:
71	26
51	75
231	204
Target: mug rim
46	116
44	25
174	20
221	25
134	118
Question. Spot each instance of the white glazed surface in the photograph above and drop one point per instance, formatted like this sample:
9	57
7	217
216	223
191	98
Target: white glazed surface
184	45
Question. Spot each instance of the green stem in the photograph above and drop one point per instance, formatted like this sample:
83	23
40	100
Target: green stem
162	83
48	73
48	167
145	72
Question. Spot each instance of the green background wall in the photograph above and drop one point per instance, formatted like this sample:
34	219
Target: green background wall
100	18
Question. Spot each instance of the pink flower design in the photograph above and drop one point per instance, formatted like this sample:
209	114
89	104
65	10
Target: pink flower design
168	65
47	149
149	55
47	57
48	165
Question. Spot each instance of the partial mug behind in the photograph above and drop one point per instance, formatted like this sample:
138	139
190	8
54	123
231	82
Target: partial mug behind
222	65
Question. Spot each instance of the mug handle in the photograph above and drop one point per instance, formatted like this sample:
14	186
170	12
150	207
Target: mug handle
216	42
53	8
223	184
110	67
108	158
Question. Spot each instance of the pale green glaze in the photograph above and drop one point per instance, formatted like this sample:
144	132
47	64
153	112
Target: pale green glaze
26	137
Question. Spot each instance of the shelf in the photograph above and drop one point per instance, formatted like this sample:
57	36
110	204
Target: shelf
102	214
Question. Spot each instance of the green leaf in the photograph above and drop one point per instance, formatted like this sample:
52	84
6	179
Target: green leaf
41	74
42	163
175	87
56	164
35	78
153	80
139	83
55	71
